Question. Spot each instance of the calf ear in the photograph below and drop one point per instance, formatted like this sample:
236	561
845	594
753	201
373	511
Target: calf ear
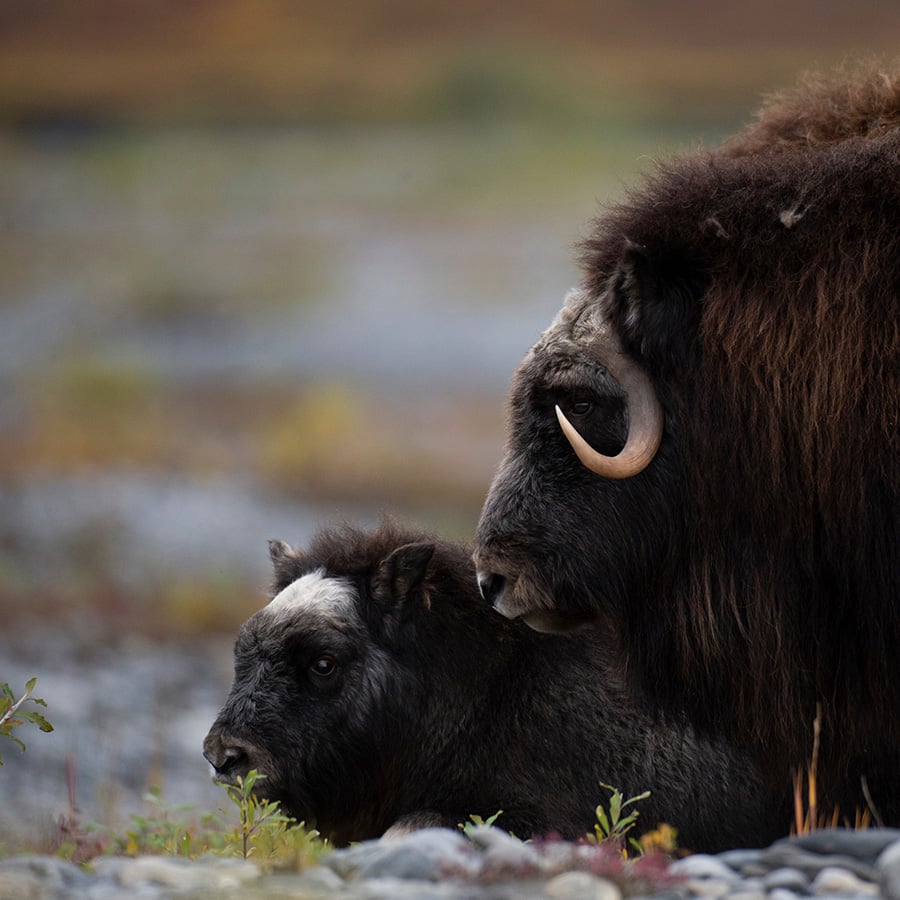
401	574
282	556
656	301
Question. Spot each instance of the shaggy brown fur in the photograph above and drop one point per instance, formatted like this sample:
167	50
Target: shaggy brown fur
793	400
778	364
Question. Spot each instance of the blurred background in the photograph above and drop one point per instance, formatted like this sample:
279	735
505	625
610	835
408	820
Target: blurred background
265	264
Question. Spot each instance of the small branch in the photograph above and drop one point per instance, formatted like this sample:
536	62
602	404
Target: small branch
12	710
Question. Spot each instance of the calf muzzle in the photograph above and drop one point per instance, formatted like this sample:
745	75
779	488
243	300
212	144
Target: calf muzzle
231	758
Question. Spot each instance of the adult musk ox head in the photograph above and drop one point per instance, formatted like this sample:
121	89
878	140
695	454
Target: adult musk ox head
704	447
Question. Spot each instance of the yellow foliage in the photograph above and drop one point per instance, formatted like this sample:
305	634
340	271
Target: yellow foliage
660	840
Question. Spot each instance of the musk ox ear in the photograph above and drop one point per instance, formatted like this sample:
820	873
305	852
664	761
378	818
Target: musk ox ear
655	297
282	555
401	574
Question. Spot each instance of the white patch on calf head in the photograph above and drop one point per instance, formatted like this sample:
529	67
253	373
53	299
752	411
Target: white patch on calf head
315	592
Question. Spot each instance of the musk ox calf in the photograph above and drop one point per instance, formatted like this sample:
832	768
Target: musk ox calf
704	446
376	692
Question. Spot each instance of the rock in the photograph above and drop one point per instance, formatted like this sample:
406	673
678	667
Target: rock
185	874
888	868
866	844
788	879
789	854
403	889
749	886
503	854
745	893
783	894
427	855
834	880
320	879
747	862
709	887
348	861
40	876
581	886
701	866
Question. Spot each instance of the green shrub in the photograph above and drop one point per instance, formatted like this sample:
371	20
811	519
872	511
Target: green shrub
13	715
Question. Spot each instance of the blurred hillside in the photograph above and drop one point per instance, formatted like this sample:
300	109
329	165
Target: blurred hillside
277	61
265	263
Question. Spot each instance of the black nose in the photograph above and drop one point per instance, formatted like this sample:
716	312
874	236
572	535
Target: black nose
491	586
228	757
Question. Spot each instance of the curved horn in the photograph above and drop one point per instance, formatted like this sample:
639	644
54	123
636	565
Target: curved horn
645	423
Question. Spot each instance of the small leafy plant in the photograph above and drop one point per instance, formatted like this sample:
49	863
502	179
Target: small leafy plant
260	821
475	820
164	829
262	830
613	823
12	714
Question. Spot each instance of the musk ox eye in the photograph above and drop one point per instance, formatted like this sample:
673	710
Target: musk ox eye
323	667
581	408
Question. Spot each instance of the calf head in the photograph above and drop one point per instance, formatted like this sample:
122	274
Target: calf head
318	699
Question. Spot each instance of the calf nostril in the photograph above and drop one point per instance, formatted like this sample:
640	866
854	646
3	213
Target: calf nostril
226	758
236	762
491	586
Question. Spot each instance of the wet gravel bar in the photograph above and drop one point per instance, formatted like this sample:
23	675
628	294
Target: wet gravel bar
489	865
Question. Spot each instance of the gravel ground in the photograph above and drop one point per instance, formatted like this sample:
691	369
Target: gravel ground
439	863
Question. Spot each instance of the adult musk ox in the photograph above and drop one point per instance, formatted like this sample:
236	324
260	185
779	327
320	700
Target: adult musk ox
376	691
704	447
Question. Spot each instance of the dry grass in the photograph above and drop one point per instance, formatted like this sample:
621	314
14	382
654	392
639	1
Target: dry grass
807	815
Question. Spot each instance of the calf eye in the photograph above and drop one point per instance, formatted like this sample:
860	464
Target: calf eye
323	667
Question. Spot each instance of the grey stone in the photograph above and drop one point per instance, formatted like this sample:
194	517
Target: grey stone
320	878
427	855
504	854
391	888
660	894
347	861
701	865
25	884
789	854
783	894
834	880
709	887
741	860
750	885
49	871
554	856
788	878
745	893
888	868
866	844
185	874
581	886
109	866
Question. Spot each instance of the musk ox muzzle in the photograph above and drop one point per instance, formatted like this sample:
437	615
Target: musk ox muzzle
231	757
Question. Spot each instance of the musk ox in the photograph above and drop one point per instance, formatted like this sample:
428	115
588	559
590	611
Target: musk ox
704	447
376	692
